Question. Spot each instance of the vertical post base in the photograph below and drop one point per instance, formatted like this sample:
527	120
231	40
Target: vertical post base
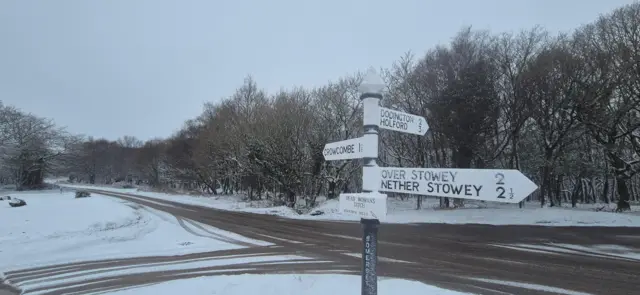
369	256
371	89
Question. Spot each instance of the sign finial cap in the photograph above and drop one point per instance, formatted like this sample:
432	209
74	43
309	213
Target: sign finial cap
372	82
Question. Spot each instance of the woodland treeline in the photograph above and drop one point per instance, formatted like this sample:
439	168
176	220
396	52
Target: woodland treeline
563	108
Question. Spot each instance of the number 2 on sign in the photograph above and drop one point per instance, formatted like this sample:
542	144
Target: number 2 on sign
500	189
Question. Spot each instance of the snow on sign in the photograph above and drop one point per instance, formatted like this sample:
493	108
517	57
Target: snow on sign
498	185
398	121
364	205
343	150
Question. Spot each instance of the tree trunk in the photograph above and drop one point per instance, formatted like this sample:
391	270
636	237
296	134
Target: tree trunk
621	179
440	159
463	158
605	189
592	189
558	192
577	189
319	190
632	189
623	192
546	178
332	190
291	198
514	159
546	187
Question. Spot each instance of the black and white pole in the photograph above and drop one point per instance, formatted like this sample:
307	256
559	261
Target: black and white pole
371	93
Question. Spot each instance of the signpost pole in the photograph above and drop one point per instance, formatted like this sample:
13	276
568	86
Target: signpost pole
371	89
369	256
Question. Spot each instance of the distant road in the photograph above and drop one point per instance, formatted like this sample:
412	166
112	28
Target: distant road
481	259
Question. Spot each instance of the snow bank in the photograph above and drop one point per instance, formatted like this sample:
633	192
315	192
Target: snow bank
57	228
403	211
496	215
223	202
487	213
289	284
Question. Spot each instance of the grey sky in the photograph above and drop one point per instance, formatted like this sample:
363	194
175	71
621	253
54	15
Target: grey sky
142	67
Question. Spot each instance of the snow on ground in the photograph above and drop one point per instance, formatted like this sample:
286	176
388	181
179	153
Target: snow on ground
403	211
308	284
55	227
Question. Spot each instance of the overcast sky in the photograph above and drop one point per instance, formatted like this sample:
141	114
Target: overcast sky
142	67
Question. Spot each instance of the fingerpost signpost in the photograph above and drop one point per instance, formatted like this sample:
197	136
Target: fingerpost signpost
498	185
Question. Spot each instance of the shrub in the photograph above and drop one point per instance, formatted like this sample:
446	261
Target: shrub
82	194
17	203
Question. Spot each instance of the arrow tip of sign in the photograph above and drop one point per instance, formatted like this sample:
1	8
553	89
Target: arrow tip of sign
425	125
530	186
526	188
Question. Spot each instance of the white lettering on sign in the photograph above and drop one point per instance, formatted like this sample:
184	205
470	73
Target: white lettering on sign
343	150
403	122
365	205
509	186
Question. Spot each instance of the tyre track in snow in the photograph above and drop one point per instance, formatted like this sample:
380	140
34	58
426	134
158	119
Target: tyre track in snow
188	224
126	281
91	267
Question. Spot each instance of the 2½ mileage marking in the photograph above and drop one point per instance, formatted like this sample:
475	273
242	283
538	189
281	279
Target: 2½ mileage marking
500	188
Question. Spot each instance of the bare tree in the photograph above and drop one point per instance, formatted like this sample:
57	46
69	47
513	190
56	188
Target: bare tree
608	89
551	90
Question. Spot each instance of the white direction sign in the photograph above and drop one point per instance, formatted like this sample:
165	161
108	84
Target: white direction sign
343	150
398	121
365	205
498	185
